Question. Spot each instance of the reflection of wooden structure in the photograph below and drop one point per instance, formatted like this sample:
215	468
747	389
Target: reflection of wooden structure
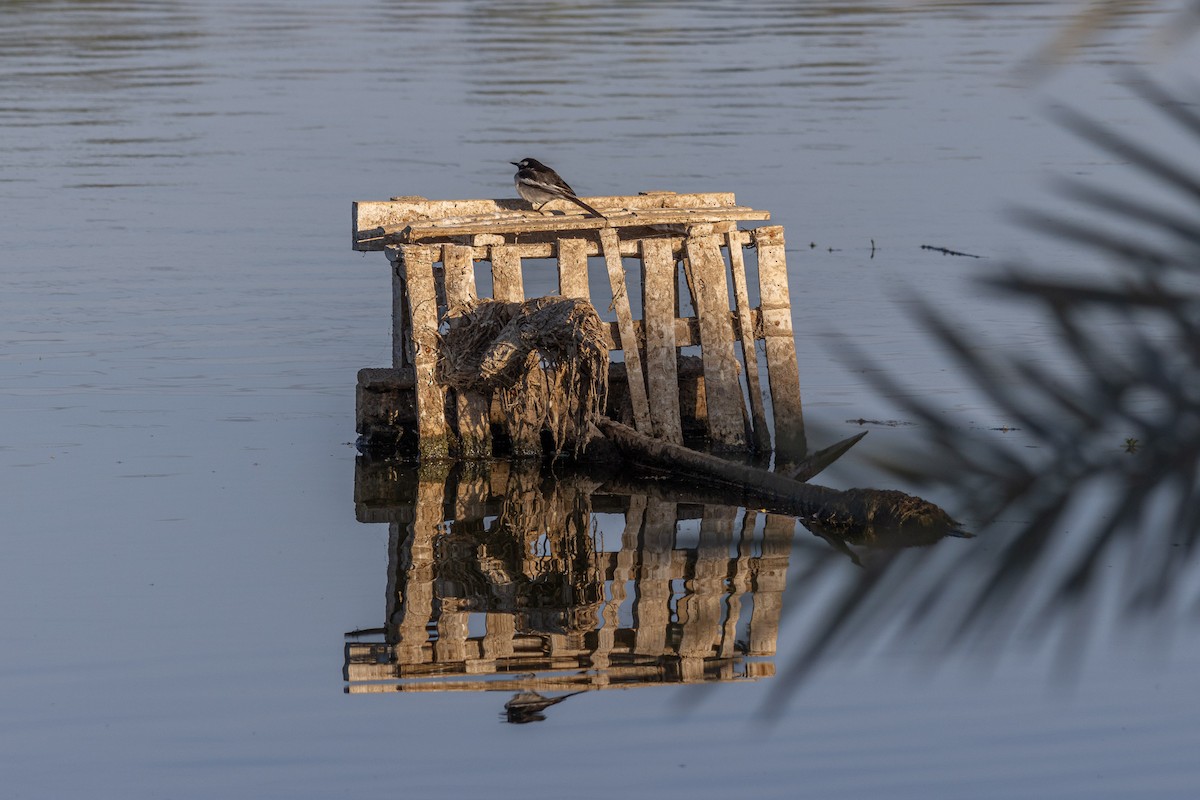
658	386
497	583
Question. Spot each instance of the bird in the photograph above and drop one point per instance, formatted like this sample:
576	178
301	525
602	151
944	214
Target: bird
538	185
528	706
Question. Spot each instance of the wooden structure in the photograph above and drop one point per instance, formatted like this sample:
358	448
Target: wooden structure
497	582
433	247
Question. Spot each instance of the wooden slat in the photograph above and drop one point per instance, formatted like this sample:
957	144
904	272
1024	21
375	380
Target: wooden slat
573	268
401	329
722	390
373	220
506	274
553	223
791	444
658	309
633	359
474	428
416	270
735	239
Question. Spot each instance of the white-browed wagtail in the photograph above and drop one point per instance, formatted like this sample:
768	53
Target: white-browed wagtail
538	184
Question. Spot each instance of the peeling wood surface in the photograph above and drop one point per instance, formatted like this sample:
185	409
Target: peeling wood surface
791	443
659	280
507	285
434	282
474	428
416	270
723	391
573	268
745	326
413	219
633	359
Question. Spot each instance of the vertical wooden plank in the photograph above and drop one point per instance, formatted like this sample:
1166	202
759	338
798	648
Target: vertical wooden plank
791	444
401	329
415	267
758	414
474	427
659	305
506	274
636	380
573	269
722	389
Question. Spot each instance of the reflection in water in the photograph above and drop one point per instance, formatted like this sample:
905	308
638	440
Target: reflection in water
502	580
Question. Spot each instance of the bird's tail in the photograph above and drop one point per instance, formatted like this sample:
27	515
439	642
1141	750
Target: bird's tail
584	205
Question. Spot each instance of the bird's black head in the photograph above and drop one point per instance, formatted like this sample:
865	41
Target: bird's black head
528	163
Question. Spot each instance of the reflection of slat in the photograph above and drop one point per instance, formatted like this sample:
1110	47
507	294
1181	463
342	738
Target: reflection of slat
770	582
762	437
790	442
611	613
506	274
574	676
658	309
633	360
474	428
700	609
416	268
739	584
723	392
573	268
653	604
414	600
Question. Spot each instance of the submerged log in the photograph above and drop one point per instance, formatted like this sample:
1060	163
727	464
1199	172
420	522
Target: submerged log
847	511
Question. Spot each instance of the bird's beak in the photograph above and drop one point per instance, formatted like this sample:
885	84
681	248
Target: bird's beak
515	163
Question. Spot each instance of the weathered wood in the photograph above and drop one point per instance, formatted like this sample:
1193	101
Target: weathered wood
633	359
723	391
853	512
506	274
573	268
791	443
383	406
402	342
474	428
416	270
659	280
567	221
814	464
735	239
378	223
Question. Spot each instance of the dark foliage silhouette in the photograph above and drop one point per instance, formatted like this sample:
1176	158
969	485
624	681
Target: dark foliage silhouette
1100	499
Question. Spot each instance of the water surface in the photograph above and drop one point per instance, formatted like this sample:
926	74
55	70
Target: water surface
182	318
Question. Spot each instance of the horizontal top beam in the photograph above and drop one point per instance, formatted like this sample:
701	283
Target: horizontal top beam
403	220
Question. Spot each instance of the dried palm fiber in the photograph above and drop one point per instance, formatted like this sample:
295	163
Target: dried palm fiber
545	359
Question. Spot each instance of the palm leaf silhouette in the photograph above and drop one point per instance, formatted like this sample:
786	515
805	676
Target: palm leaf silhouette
1105	501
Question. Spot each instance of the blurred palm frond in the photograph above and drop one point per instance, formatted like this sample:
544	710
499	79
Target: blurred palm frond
1099	506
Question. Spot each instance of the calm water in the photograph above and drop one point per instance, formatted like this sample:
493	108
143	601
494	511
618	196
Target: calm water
182	318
